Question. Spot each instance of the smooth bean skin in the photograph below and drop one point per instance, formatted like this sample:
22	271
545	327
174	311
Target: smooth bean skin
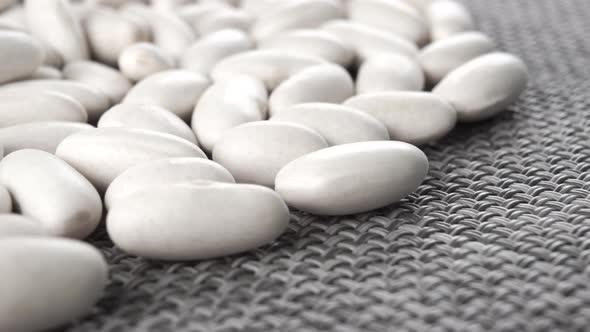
352	178
164	171
448	18
141	60
49	190
102	78
389	72
21	55
44	136
5	200
12	225
197	221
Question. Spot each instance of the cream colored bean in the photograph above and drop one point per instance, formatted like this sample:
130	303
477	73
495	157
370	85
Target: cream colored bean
394	17
163	172
367	41
336	123
326	83
413	117
107	46
203	55
389	72
95	103
54	22
293	15
145	116
5	200
104	153
448	18
485	86
13	225
227	104
21	55
255	152
44	136
316	43
175	90
441	57
352	178
49	190
66	278
100	77
21	108
270	66
224	19
141	60
46	73
227	219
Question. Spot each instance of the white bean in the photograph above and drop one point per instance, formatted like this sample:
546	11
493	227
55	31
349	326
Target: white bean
20	55
44	136
447	18
141	60
49	190
12	225
389	72
193	14
224	19
352	178
103	78
46	73
5	200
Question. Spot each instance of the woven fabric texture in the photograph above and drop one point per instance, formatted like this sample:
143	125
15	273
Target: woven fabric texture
496	239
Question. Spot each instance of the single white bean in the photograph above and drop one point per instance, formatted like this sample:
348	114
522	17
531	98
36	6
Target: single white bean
484	86
441	57
103	78
102	154
447	18
227	219
95	103
12	225
316	43
367	41
141	60
394	17
46	73
389	72
325	83
21	108
165	171
20	55
224	19
203	55
54	22
5	200
175	90
413	117
66	277
44	136
227	104
255	152
146	116
336	123
49	190
352	178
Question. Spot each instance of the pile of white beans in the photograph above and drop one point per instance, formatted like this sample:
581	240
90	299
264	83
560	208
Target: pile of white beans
121	102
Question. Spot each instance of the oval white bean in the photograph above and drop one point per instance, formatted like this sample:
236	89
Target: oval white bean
145	116
316	43
69	275
5	200
102	154
228	219
165	171
203	55
389	72
328	182
12	225
21	108
367	41
20	55
193	14
44	136
255	152
224	19
53	22
484	86
443	56
394	17
326	83
49	190
447	18
175	90
103	78
141	60
336	123
412	117
227	104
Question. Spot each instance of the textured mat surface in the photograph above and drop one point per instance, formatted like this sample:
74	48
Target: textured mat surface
496	239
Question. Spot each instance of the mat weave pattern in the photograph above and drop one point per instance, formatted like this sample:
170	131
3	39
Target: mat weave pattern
496	239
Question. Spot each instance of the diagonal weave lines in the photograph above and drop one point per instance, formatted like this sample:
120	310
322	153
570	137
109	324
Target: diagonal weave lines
496	239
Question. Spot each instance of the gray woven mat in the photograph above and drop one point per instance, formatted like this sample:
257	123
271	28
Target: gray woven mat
496	239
